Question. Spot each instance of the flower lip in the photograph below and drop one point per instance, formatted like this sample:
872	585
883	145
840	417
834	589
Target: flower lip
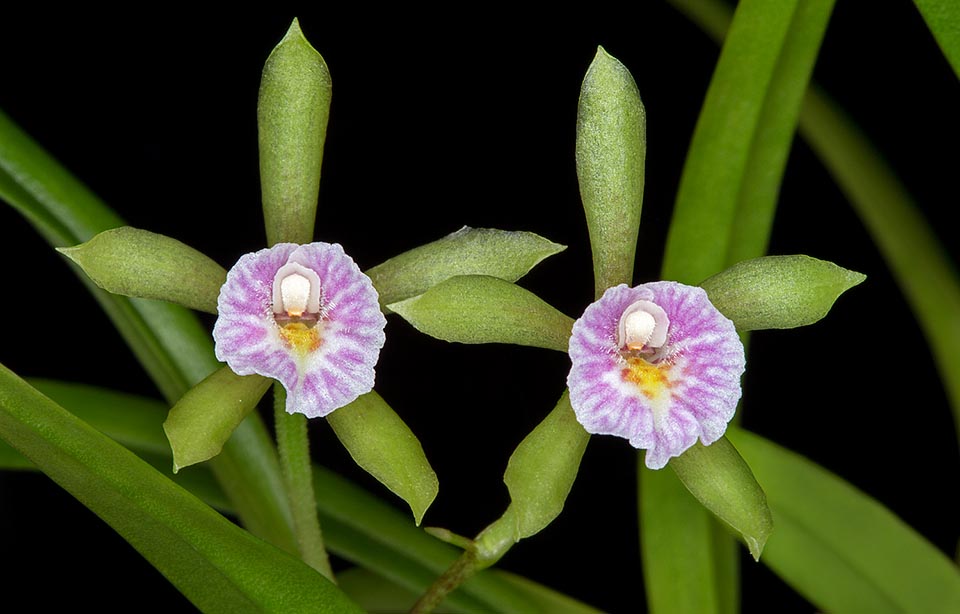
662	398
321	339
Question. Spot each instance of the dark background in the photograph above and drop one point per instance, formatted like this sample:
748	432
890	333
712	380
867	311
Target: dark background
441	120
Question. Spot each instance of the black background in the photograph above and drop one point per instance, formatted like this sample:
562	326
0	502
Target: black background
445	119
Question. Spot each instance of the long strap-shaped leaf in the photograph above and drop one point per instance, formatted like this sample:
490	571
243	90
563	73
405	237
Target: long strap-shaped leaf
217	565
724	213
358	526
167	340
842	549
943	19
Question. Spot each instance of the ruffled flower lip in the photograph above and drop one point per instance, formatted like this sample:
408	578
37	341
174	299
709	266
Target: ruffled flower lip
658	365
304	315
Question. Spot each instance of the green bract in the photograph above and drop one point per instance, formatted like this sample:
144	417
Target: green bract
483	309
206	416
611	152
469	251
292	115
778	291
139	263
380	442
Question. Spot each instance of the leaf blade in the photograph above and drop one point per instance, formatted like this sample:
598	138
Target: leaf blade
215	564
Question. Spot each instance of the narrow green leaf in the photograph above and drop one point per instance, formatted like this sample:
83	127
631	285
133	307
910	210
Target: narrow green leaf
677	540
214	563
168	340
611	152
722	482
138	425
778	291
358	526
542	469
144	264
943	19
840	548
699	238
62	209
725	208
919	262
385	447
483	309
205	417
508	255
292	114
763	174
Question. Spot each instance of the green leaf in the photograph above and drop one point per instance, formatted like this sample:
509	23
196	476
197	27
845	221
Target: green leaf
919	262
508	255
611	152
722	482
778	291
205	417
542	469
703	220
943	19
380	443
168	340
723	213
292	114
841	549
375	594
482	309
677	545
139	263
214	563
357	526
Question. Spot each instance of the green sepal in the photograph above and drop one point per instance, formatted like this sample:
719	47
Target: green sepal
292	113
385	447
508	255
205	417
144	264
722	481
611	152
542	469
214	563
778	291
483	309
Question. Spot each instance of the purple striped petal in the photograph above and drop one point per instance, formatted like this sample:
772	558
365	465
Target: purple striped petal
324	359
659	398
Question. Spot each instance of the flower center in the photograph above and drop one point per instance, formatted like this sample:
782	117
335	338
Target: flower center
642	328
296	295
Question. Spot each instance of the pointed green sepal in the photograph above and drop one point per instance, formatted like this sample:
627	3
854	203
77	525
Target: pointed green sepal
611	152
483	309
722	481
205	417
778	291
542	469
292	113
508	255
144	264
385	447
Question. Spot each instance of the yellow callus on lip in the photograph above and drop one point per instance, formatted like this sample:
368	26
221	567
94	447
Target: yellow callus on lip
300	337
652	380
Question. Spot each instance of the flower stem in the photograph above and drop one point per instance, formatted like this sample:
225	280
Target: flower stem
294	450
454	576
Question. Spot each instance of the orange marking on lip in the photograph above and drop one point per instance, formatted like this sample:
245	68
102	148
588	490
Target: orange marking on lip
653	380
300	337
